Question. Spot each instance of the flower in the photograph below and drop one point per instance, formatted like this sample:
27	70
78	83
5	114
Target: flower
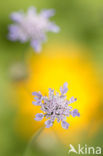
55	106
63	63
32	27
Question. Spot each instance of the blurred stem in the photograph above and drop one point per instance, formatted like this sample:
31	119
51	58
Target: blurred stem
32	140
30	53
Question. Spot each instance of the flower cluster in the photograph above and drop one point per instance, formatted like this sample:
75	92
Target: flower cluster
55	106
32	27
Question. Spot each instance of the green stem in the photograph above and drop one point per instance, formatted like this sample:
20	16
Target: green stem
34	138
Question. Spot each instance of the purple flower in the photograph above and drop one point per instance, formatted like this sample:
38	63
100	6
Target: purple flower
55	107
32	27
39	116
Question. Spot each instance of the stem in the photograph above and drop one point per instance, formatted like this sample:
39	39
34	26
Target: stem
29	55
33	138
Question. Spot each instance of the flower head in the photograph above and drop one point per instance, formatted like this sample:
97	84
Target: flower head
32	27
55	106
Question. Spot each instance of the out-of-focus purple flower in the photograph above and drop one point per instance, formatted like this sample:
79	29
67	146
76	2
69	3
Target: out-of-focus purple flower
55	107
32	27
39	116
75	113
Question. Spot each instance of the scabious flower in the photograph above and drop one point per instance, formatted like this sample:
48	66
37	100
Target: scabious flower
55	106
32	27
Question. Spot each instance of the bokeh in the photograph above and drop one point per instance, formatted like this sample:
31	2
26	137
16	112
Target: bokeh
75	55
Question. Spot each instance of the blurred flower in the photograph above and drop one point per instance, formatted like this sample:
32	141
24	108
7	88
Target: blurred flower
32	27
55	106
18	72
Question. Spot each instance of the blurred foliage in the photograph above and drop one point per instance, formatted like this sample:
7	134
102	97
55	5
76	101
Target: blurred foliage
80	21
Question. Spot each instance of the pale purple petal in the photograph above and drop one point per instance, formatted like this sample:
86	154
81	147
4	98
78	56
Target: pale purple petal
53	28
69	107
75	113
23	37
38	94
36	98
48	13
64	89
65	125
65	85
48	123
72	99
31	10
36	103
17	16
39	116
13	28
13	32
36	45
67	112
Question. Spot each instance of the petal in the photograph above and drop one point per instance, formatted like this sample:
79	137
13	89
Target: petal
64	89
69	107
67	112
51	92
72	99
17	16
32	10
36	98
75	113
53	28
36	45
39	116
65	85
38	94
13	32
65	125
13	28
48	123
36	103
43	37
23	37
48	13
